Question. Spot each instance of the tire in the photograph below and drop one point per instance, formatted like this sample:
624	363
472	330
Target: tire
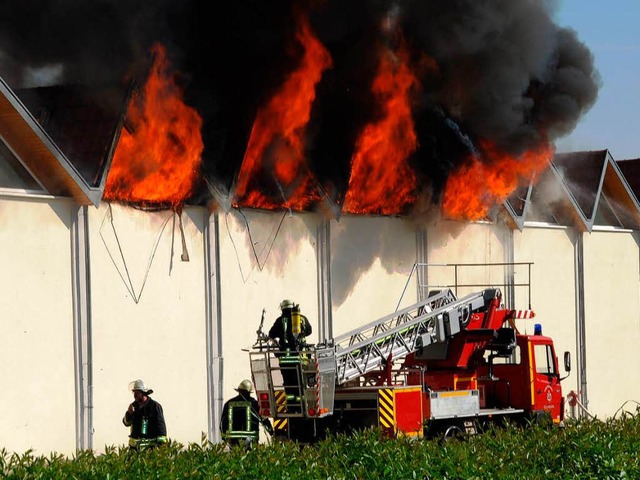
451	432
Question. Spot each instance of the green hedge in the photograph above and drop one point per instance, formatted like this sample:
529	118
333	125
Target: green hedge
590	449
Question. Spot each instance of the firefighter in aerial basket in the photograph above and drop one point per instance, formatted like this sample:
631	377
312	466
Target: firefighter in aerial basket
241	418
145	419
289	332
290	329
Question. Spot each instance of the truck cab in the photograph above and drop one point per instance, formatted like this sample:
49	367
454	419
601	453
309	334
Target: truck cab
528	379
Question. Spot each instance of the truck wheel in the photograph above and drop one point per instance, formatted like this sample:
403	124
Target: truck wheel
452	431
541	417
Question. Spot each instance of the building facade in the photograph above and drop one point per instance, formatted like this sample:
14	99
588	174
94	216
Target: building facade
95	294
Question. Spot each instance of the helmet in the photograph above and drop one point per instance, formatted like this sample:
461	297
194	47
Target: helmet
245	385
139	385
284	304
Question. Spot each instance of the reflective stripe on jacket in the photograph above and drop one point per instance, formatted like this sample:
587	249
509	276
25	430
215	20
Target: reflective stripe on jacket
240	421
142	443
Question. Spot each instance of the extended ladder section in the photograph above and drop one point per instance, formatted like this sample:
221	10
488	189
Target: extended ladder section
394	336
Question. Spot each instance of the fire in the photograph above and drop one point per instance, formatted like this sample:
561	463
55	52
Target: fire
277	142
158	162
477	186
381	180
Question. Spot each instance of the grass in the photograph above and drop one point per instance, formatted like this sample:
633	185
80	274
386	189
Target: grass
588	449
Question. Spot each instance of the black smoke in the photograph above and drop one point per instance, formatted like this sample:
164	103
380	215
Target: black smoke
505	71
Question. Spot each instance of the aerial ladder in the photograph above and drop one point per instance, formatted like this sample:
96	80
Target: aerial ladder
355	354
431	321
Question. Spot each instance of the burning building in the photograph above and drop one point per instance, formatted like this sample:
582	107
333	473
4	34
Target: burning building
159	189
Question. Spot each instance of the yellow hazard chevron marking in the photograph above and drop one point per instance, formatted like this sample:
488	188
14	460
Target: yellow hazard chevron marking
281	406
386	408
280	424
281	400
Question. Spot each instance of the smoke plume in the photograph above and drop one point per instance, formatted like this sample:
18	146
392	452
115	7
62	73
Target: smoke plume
501	72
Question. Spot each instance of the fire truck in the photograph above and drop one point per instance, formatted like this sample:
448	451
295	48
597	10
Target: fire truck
444	366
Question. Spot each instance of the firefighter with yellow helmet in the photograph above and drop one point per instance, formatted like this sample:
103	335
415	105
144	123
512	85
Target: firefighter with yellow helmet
289	332
241	419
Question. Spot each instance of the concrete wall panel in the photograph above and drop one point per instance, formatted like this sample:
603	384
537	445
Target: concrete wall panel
371	261
148	318
454	242
265	257
37	403
552	290
612	304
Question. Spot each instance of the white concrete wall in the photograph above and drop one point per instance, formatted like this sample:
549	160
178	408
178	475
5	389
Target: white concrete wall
612	304
371	260
553	296
265	257
152	328
37	403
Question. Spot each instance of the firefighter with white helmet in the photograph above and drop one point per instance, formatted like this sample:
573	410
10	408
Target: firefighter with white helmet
241	419
291	328
145	418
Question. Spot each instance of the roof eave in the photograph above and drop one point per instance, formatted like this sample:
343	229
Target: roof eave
37	151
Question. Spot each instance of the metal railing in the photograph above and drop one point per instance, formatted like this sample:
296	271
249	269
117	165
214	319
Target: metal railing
460	278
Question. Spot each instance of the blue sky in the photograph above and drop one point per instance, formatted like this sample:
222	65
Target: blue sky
611	30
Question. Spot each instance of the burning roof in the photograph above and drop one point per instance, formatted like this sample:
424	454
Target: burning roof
373	107
84	122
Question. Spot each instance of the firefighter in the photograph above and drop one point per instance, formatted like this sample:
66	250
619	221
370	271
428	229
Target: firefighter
241	419
145	419
290	329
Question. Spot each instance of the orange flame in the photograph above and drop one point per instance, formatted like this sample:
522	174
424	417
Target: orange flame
158	162
477	186
277	136
381	180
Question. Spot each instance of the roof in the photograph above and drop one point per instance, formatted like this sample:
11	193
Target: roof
582	190
581	172
62	139
631	170
63	136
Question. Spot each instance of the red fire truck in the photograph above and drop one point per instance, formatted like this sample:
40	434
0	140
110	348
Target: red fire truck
443	366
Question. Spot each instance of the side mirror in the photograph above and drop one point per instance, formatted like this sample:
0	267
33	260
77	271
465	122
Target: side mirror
567	361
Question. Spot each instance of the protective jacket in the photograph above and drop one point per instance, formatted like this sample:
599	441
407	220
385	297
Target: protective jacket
147	424
281	330
241	420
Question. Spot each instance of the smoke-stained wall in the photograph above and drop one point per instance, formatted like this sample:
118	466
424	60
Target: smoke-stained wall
265	257
371	262
148	318
37	404
450	242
